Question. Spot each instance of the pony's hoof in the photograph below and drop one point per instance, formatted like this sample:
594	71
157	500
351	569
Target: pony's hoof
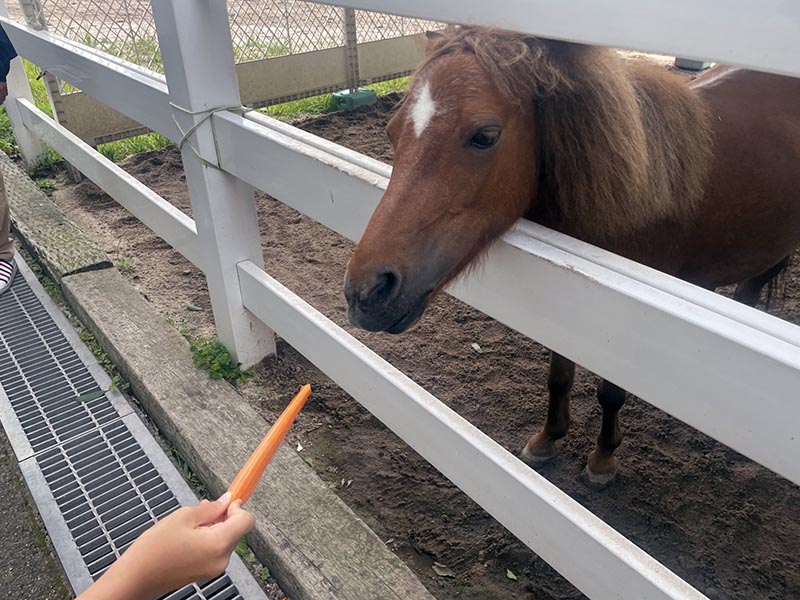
538	450
599	473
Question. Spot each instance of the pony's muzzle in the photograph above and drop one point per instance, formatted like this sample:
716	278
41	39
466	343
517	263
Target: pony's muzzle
380	289
373	294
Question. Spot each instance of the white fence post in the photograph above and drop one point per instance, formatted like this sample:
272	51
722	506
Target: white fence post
197	52
35	18
31	148
351	49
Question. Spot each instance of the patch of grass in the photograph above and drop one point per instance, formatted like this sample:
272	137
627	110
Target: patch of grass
51	164
315	105
211	355
38	88
388	87
115	151
8	143
46	185
119	150
50	286
187	472
183	329
252	563
244	552
322	104
88	338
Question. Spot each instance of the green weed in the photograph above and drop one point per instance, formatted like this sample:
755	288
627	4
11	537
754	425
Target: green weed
124	264
46	185
244	552
50	286
211	355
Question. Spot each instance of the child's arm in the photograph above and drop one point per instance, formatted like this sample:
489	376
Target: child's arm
192	544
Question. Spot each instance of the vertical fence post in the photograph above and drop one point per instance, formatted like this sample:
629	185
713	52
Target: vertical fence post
351	48
31	148
197	52
35	18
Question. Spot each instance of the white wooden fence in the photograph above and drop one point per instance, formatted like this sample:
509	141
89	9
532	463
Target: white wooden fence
284	51
727	370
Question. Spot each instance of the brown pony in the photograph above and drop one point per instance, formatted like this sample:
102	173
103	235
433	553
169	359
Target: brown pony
700	180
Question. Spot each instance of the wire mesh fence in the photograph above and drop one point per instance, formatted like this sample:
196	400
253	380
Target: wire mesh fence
260	29
374	47
372	26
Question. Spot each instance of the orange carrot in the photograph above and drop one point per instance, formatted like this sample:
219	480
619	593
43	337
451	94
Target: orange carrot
247	479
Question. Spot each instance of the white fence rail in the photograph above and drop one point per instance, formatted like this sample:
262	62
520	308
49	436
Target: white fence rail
739	370
173	226
762	35
283	50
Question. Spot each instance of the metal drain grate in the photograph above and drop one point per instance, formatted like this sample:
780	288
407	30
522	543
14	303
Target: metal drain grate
96	474
42	376
107	490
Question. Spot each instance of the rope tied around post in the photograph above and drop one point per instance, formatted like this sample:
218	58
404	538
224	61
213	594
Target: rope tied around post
206	117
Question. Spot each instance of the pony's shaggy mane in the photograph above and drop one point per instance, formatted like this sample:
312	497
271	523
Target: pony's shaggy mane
623	146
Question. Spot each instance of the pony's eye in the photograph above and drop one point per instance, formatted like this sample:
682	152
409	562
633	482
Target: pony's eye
485	138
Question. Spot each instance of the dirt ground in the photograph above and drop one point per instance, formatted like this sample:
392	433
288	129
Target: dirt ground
725	524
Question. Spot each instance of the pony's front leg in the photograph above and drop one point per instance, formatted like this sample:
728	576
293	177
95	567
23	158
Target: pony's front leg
542	446
602	465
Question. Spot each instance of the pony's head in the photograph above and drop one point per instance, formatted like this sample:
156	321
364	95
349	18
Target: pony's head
495	126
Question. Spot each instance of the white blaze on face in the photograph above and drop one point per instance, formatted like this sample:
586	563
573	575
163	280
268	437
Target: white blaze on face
423	109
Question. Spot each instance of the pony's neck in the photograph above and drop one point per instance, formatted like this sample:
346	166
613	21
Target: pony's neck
625	147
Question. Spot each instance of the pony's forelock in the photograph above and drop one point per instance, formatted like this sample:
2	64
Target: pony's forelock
518	64
620	149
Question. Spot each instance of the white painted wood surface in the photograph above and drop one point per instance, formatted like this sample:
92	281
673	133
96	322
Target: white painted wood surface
169	223
591	554
761	35
196	47
31	148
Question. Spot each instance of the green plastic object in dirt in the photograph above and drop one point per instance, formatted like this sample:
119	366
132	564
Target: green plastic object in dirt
350	99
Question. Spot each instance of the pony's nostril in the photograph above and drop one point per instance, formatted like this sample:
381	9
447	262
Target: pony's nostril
383	289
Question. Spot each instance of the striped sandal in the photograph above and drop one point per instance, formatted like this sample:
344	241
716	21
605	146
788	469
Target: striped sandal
7	271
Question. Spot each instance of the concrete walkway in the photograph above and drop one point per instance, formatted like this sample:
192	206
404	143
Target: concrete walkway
28	570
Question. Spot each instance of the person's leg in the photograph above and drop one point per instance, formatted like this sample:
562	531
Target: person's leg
8	267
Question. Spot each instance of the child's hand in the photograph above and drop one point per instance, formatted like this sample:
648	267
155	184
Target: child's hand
192	544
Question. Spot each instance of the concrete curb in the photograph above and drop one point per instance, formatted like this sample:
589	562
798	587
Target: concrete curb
52	238
315	546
